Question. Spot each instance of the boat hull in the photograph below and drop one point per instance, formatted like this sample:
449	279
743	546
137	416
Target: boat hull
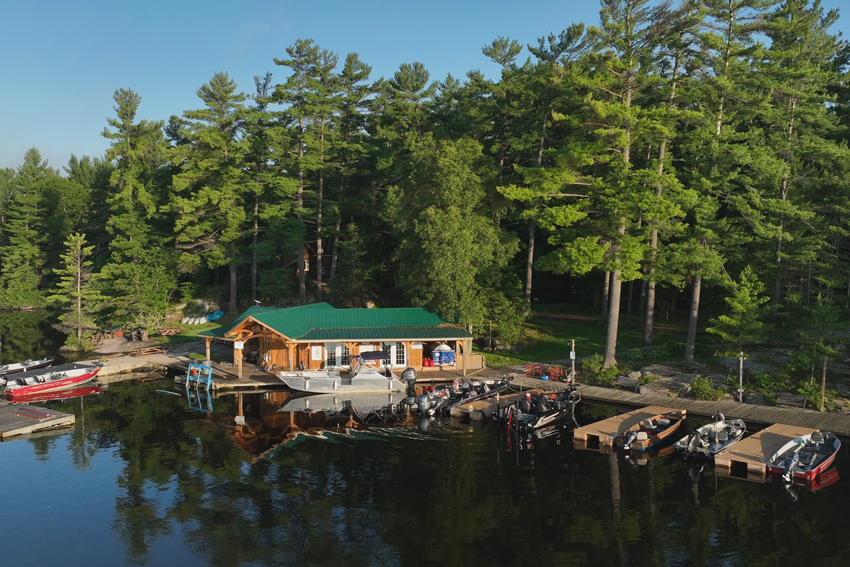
804	476
63	394
816	457
13	393
654	437
734	428
330	385
24	367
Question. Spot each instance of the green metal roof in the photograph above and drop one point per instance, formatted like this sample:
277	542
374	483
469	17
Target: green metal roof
321	322
387	333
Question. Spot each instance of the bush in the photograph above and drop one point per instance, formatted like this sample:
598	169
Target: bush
631	354
812	393
592	364
702	389
607	376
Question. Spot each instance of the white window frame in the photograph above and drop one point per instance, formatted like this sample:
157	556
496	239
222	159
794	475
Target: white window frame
336	353
397	351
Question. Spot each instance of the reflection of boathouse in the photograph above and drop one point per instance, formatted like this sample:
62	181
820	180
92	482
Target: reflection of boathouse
319	336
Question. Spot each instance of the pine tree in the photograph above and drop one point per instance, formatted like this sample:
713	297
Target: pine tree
74	293
208	198
745	319
22	256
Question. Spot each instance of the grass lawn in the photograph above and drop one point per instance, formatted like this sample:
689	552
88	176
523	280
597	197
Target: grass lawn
550	339
189	333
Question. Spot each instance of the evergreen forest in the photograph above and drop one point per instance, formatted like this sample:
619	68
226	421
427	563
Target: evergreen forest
697	148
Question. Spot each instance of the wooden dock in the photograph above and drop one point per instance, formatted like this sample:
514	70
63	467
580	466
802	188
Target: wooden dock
747	458
605	432
23	419
837	423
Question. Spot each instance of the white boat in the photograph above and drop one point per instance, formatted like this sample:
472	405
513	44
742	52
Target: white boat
24	366
335	402
362	379
710	439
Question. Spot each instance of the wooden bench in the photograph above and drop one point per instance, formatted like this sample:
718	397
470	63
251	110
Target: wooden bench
790	400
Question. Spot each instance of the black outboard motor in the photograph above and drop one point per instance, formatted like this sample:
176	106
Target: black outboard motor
424	403
409	378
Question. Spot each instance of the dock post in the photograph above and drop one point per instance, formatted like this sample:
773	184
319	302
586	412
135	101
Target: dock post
741	377
573	363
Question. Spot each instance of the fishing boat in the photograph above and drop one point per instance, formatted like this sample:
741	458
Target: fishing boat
56	395
24	366
336	403
712	438
362	379
535	412
805	457
58	378
444	398
650	432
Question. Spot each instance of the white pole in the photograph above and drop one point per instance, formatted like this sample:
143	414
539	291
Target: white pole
741	377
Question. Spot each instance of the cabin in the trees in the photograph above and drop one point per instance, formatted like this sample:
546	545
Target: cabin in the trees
319	336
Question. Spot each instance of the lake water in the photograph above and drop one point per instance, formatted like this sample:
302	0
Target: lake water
143	479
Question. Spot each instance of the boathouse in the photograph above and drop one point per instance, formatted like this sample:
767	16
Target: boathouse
318	336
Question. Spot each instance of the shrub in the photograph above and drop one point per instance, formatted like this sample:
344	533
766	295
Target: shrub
607	376
812	393
592	364
702	389
631	354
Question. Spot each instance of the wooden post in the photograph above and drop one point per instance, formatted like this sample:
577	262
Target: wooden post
823	385
290	347
208	341
741	377
462	360
573	363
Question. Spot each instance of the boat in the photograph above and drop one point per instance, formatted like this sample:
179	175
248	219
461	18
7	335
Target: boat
58	378
367	402
805	457
534	412
444	398
650	432
24	366
56	395
712	438
361	379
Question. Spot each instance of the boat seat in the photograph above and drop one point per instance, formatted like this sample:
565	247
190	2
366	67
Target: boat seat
664	422
722	436
647	425
817	438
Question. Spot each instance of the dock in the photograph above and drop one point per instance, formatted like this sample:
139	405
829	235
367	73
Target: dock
24	419
747	457
837	423
605	432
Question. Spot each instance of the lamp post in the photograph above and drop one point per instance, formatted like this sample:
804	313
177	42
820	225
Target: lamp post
741	377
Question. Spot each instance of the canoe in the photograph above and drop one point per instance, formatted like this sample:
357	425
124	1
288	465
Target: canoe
805	457
651	432
38	382
712	438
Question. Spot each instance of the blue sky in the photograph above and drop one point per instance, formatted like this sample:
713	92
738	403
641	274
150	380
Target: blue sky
62	60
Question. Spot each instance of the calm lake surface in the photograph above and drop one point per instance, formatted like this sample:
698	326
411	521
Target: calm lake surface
143	479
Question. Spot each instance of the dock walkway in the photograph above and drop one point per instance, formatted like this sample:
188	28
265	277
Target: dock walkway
24	419
837	423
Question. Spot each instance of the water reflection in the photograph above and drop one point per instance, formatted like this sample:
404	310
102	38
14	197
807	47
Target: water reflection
173	484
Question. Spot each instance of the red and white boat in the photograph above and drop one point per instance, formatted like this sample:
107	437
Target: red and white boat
66	394
58	378
804	458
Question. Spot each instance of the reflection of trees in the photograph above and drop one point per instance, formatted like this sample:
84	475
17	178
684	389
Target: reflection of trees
27	334
445	499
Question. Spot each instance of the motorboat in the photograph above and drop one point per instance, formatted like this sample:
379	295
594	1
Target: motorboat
363	378
712	438
24	366
651	431
444	398
805	457
48	380
535	412
367	402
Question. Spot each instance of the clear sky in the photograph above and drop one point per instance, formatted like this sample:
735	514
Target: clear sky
61	60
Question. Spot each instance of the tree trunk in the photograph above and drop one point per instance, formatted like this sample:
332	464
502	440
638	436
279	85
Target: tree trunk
302	275
530	261
234	308
613	321
690	344
629	301
254	248
319	242
606	291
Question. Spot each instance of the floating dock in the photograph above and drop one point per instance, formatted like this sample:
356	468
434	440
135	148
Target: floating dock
603	433
746	458
23	419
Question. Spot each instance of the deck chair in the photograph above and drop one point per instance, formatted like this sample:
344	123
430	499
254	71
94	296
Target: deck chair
647	426
817	438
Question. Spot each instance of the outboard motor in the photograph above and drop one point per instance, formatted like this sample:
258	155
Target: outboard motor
408	376
424	403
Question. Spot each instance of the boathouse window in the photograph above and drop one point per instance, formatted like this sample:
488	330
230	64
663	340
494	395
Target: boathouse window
398	356
338	355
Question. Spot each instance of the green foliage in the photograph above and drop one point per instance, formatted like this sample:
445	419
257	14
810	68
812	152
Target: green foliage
74	294
813	396
592	365
607	376
746	312
702	389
